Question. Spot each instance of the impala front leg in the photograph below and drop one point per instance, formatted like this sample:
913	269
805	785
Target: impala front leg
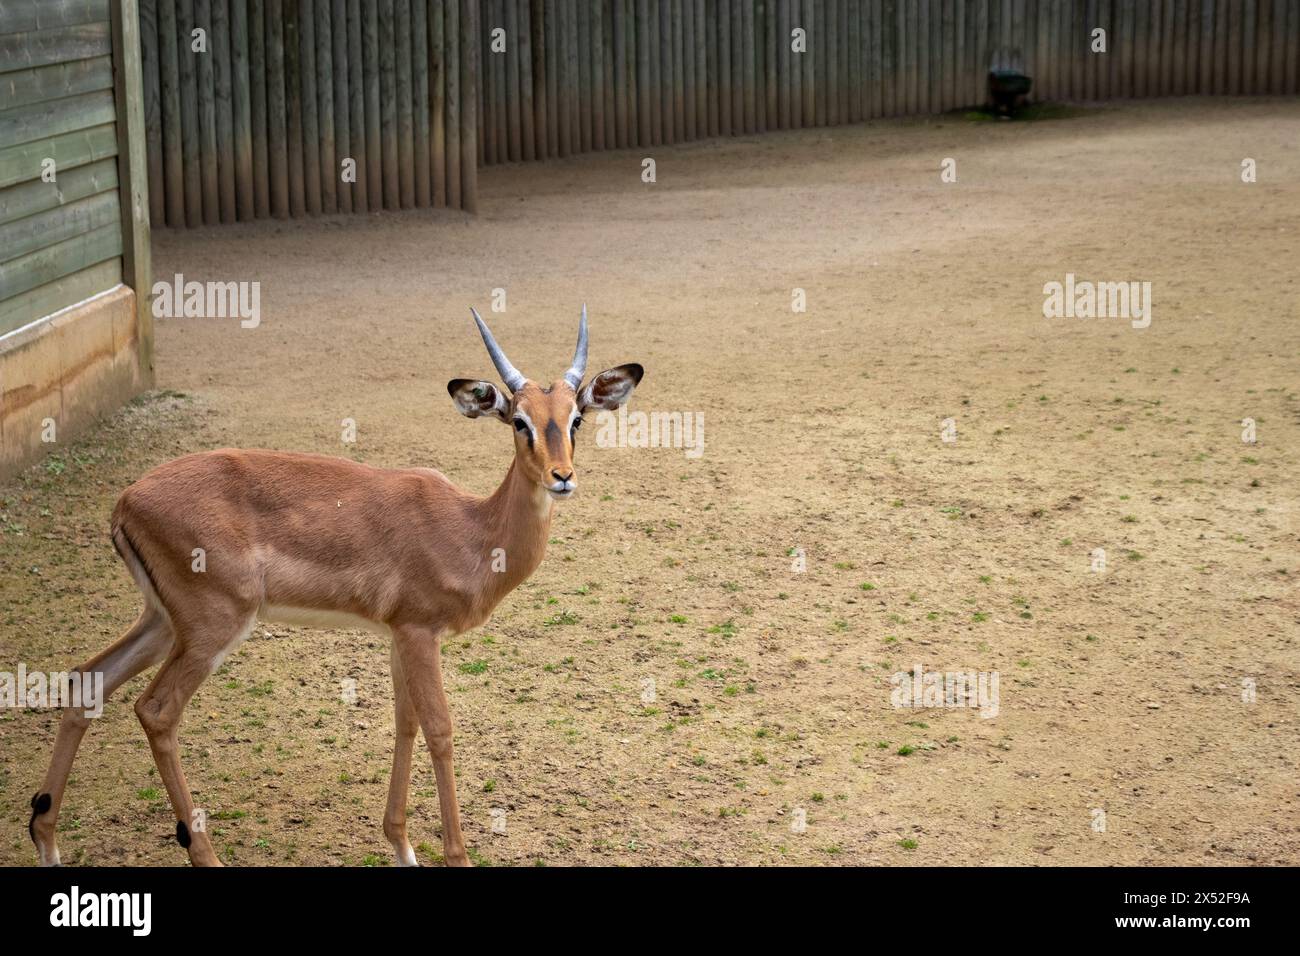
399	784
418	651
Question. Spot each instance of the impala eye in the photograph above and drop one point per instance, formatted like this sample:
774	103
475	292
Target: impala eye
521	425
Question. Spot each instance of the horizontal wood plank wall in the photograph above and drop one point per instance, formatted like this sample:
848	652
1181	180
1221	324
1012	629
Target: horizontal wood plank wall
278	108
321	105
60	211
688	69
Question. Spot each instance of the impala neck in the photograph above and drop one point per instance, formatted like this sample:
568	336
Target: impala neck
517	517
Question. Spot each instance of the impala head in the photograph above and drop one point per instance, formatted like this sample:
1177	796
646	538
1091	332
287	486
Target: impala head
545	420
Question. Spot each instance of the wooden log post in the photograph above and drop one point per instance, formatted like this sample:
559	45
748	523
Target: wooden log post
152	79
342	145
469	28
133	176
242	111
325	145
454	96
172	151
223	102
277	134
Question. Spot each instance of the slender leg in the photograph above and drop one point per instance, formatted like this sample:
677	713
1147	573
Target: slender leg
160	709
418	648
400	782
144	645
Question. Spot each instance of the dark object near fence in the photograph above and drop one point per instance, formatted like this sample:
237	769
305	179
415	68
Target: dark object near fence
1008	88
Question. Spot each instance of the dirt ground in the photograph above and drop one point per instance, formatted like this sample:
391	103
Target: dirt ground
1122	692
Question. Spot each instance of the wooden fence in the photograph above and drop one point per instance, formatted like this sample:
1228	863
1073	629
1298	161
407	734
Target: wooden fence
69	75
259	108
579	75
419	93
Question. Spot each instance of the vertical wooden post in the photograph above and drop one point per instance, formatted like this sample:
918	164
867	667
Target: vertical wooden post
403	90
563	119
222	91
678	73
277	110
469	27
342	103
133	176
152	78
325	143
189	112
738	67
310	123
388	104
748	79
513	77
293	107
437	104
726	122
850	103
541	95
454	96
875	57
205	91
173	155
620	75
582	35
527	106
258	72
808	64
499	111
688	69
607	71
420	101
644	123
357	106
242	103
771	79
374	175
554	59
655	47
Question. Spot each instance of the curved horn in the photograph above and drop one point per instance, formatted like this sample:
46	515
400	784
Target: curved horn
579	367
509	374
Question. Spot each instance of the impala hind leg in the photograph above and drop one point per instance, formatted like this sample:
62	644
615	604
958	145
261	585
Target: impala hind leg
197	653
400	782
418	650
144	645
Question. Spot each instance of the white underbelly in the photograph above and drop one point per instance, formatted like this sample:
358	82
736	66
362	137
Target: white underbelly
315	617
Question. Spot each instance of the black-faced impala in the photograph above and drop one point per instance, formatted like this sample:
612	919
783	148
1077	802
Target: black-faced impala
321	541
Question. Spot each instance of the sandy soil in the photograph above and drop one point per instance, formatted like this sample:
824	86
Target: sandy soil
1121	691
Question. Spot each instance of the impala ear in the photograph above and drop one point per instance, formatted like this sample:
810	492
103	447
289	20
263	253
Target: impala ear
474	398
611	388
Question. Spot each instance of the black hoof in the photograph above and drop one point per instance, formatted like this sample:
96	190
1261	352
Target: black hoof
40	804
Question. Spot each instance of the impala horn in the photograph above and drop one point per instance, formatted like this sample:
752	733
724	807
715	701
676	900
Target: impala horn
579	367
509	374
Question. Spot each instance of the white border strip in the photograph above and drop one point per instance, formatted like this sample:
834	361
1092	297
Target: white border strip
53	315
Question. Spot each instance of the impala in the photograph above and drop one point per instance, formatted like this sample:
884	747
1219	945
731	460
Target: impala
321	541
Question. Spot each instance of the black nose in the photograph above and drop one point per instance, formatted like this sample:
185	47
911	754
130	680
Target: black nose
560	477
